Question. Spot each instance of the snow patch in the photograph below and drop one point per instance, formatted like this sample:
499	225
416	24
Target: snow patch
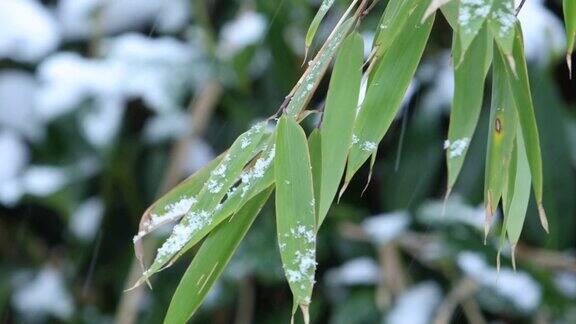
517	287
28	31
384	228
45	295
359	271
417	305
245	30
85	221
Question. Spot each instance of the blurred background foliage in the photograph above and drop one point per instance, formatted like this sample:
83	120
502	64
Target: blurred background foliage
106	104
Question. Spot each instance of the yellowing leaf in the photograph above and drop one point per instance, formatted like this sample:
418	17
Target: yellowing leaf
500	139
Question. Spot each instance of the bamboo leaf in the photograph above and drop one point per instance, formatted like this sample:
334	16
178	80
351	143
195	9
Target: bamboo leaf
316	69
471	17
469	80
210	261
434	5
315	148
199	220
324	7
173	205
450	12
392	22
518	194
569	9
295	209
337	122
387	88
520	86
501	23
500	139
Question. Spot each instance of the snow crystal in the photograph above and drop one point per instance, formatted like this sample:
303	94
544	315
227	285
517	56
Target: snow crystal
173	211
85	221
506	17
384	228
245	30
45	295
417	305
258	171
43	180
303	265
368	146
182	233
456	148
355	139
518	287
245	142
359	271
28	31
214	186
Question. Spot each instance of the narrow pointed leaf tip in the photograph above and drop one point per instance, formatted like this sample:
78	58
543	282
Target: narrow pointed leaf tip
295	209
569	10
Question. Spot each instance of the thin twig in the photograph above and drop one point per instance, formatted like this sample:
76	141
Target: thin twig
520	7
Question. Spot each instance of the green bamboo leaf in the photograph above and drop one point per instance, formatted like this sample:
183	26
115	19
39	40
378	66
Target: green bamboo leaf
324	7
569	9
520	86
392	22
434	5
295	210
501	22
469	80
253	180
387	88
316	69
518	194
471	17
500	140
173	205
507	194
199	220
450	12
337	122
210	261
315	148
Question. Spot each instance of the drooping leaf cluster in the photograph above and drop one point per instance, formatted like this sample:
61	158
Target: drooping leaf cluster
220	202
